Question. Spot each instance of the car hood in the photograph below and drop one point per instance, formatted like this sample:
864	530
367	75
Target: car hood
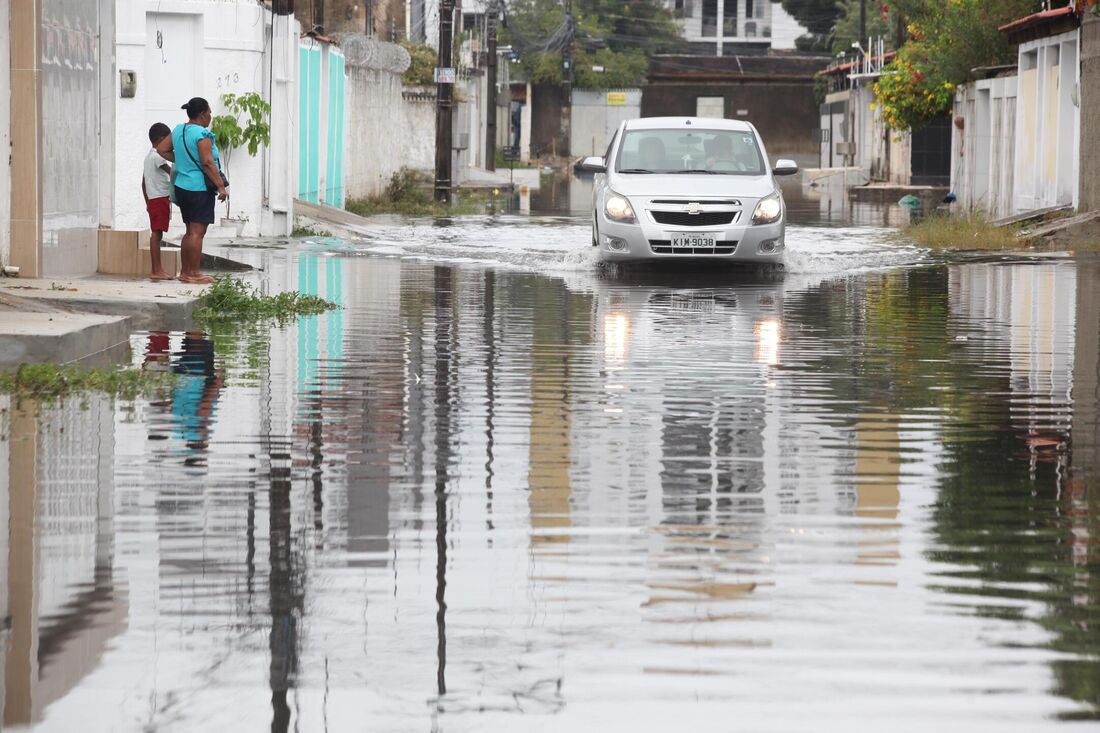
701	185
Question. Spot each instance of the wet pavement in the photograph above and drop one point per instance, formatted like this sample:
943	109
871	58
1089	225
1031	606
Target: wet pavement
503	489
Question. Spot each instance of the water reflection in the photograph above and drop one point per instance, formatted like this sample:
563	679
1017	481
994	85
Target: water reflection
62	606
194	397
476	493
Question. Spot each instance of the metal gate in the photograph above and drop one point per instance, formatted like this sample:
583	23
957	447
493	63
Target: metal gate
931	153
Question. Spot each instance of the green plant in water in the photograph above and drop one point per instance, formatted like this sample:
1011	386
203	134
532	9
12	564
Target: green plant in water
51	382
229	299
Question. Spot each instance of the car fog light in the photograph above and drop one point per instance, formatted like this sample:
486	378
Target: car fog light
615	244
770	247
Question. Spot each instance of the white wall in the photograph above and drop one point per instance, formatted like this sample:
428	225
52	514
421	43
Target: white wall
785	29
380	109
983	151
1047	123
208	48
5	131
595	121
71	78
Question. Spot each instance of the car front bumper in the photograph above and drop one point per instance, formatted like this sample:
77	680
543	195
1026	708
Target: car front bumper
646	241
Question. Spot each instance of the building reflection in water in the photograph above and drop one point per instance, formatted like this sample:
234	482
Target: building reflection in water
57	588
480	493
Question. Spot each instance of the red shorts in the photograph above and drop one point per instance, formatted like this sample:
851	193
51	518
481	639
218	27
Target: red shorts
160	213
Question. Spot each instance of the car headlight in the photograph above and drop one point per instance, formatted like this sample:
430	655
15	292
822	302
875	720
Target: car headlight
618	208
768	210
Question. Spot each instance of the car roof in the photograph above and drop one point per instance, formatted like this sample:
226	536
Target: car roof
706	123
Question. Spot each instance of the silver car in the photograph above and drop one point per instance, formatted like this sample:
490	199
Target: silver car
687	188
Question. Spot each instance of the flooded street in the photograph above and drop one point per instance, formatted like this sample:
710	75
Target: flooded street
504	489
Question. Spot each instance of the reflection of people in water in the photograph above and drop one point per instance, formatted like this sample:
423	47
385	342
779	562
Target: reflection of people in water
198	384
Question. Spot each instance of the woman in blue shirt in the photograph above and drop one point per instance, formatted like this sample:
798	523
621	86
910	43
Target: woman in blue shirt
199	179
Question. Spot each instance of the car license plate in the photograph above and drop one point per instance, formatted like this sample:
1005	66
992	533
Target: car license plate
692	241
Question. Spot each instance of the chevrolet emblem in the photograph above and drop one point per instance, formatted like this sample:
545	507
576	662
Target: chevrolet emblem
694	209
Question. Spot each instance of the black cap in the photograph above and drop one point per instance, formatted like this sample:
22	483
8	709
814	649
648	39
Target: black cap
195	107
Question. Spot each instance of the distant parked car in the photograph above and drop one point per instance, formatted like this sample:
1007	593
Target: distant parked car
686	187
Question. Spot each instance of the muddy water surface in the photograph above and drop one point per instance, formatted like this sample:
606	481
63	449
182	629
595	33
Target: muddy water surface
504	490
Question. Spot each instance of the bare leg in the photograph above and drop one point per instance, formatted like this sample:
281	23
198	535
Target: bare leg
191	255
157	271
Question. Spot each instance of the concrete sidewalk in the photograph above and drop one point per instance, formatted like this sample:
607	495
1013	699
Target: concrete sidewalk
68	319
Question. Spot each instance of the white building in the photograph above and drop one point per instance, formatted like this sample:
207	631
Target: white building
178	49
724	26
1017	135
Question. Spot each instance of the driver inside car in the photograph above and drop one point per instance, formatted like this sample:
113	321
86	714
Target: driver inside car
720	155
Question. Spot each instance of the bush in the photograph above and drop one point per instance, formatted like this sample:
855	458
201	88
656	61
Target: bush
409	193
947	40
421	71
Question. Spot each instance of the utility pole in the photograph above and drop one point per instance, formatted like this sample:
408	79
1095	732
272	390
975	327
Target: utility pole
862	20
567	80
491	88
444	105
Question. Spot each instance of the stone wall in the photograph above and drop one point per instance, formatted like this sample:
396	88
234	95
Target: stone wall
1089	170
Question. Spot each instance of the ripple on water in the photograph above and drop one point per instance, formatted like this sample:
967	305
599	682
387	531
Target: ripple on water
479	493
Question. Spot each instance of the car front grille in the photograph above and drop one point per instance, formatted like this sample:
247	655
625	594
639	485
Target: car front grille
703	219
664	247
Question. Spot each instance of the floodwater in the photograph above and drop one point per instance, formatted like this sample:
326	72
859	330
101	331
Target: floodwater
502	489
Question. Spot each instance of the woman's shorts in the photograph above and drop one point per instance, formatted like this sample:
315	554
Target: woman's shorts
197	207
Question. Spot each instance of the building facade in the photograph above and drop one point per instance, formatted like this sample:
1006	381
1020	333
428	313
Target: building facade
178	49
1017	143
82	81
380	19
724	27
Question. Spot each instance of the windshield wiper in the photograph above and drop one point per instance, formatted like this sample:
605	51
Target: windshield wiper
704	171
635	170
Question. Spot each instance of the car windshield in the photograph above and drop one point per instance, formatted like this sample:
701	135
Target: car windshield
724	152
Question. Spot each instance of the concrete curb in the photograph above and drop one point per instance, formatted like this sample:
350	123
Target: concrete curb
58	337
66	320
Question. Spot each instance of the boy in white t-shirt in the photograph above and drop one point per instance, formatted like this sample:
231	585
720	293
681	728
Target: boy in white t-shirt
156	186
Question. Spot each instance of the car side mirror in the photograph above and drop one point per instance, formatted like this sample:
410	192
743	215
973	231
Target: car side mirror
784	167
594	164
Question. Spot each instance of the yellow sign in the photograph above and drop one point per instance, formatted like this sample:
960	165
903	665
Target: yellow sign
616	99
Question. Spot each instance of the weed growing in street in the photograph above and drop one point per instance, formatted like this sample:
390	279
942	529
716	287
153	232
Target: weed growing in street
409	193
50	383
965	231
309	231
229	299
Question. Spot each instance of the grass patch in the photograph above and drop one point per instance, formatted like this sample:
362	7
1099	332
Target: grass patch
50	382
965	231
309	231
229	299
410	193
